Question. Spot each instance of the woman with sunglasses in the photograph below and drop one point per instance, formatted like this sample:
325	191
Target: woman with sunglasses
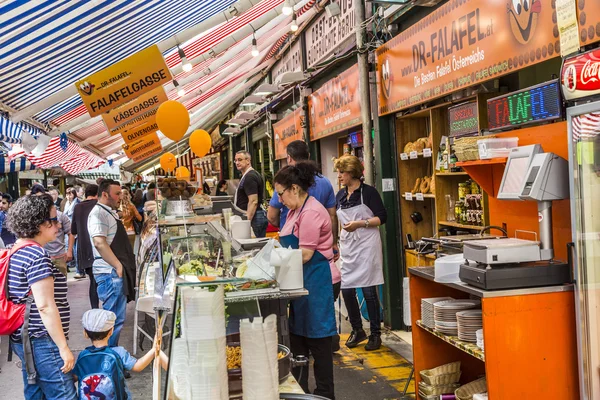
33	219
311	318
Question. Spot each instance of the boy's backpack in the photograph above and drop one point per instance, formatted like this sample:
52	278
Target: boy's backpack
100	374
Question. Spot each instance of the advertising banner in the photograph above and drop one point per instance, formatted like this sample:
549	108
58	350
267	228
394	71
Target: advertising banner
137	112
580	75
335	106
123	81
463	43
286	131
143	148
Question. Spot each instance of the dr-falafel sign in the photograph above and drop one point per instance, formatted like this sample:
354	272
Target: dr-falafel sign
462	43
123	81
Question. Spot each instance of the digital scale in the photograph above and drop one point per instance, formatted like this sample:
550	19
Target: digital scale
511	263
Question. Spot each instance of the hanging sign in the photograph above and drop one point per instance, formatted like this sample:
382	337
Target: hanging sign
327	34
463	119
139	131
568	29
335	106
580	75
286	131
143	148
123	81
139	111
535	104
463	43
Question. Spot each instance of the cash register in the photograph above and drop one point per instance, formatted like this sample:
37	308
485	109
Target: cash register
530	175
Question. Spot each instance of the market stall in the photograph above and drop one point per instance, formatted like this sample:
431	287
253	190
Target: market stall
191	264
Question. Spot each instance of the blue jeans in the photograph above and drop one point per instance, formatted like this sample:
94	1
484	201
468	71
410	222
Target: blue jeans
110	292
259	223
51	383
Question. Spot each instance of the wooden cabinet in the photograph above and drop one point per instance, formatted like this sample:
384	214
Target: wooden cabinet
430	207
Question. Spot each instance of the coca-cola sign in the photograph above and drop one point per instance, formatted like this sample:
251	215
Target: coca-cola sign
580	76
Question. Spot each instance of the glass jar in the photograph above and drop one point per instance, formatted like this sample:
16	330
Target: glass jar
463	190
475	189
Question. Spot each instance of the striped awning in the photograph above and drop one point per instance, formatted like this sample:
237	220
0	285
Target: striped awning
20	164
95	175
12	133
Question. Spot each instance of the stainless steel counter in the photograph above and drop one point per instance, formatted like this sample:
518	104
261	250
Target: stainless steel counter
428	273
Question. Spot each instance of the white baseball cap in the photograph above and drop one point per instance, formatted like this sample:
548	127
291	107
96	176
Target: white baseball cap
98	320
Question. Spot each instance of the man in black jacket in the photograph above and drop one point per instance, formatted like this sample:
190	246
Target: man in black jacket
79	229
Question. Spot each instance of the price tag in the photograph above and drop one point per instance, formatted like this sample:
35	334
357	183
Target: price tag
408	196
426	152
413	155
420	197
403	156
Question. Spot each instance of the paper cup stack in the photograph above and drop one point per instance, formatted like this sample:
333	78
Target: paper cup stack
200	359
260	372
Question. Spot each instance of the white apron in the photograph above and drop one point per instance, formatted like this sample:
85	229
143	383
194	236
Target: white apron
360	251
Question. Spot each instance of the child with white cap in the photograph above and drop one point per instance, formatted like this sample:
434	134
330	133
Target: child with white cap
100	368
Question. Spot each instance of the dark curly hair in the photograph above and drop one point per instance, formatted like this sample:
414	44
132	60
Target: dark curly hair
27	214
302	174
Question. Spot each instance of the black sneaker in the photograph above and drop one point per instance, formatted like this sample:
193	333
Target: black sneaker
126	374
374	343
335	343
355	338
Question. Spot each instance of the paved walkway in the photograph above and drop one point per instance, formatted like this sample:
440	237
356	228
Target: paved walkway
359	375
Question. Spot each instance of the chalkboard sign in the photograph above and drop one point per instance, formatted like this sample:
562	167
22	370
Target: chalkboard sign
463	119
535	104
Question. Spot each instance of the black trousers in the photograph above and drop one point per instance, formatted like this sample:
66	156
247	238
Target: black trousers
373	308
94	301
320	349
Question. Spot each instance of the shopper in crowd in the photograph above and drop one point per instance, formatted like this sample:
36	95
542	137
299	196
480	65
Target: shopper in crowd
138	200
360	211
80	192
114	262
250	194
129	215
85	254
297	151
312	317
71	201
221	188
6	235
55	196
34	220
150	204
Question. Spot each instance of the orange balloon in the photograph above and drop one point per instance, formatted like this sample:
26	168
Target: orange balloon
182	173
200	142
173	119
168	162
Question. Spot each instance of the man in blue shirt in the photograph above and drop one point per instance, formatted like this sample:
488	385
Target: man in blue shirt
322	190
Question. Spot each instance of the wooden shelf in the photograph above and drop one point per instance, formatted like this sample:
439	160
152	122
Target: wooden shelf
425	196
457	225
476	163
419	155
451	174
467	347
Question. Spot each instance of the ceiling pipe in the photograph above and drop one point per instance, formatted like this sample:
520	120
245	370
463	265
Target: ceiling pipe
235	9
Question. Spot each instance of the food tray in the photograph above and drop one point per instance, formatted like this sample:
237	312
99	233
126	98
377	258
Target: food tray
437	389
467	391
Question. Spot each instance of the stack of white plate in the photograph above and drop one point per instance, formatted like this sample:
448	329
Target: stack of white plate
479	338
444	314
469	322
427	318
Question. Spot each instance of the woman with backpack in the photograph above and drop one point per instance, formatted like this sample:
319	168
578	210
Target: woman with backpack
46	367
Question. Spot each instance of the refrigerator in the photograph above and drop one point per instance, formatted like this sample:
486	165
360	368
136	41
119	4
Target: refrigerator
584	164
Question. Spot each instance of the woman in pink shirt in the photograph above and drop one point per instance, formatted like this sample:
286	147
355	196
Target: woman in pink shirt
312	317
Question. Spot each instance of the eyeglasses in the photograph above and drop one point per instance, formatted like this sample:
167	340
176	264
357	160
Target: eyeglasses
281	194
53	220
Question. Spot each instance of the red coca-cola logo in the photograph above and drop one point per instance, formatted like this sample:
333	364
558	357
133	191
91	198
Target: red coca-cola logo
581	75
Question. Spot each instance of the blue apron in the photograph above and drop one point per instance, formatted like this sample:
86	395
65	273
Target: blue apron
312	316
